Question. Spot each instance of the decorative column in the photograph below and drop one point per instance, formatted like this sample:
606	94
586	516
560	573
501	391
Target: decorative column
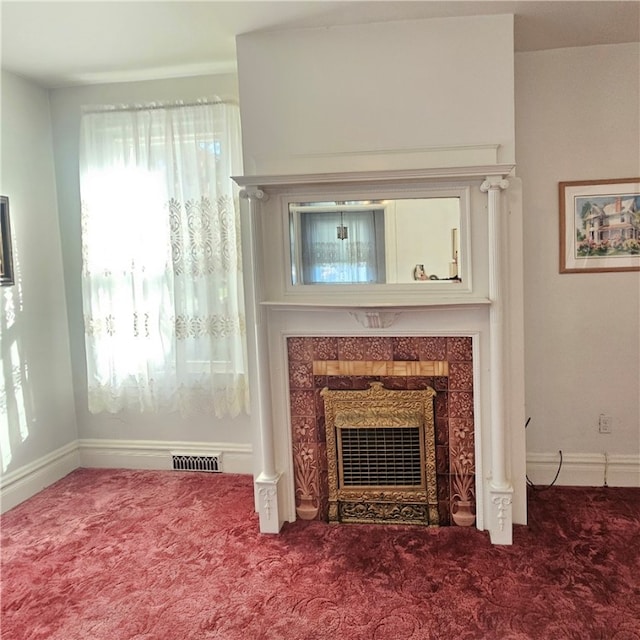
267	491
500	488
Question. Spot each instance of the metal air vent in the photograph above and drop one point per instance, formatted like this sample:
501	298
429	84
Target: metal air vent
189	462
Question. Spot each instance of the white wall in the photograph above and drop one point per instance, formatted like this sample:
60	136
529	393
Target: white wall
577	118
37	420
66	107
424	237
404	85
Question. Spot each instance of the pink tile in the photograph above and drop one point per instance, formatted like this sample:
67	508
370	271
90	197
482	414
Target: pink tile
300	349
460	404
300	375
462	458
442	430
302	403
406	348
444	515
305	468
442	459
441	383
350	348
441	406
323	463
460	432
443	486
304	429
461	376
340	382
397	383
320	382
432	348
419	383
377	348
325	348
454	484
459	349
362	382
319	403
321	425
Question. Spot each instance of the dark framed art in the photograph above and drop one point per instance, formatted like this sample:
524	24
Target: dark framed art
600	225
6	254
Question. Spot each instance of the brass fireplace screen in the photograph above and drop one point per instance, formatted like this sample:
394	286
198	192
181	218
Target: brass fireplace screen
381	456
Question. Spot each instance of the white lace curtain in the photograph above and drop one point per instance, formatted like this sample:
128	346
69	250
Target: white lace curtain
162	264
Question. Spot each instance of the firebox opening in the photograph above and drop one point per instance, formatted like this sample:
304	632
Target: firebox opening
381	456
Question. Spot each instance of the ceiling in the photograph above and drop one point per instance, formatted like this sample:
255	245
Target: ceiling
65	43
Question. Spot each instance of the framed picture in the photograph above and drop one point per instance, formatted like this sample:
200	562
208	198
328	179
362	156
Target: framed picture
6	255
600	225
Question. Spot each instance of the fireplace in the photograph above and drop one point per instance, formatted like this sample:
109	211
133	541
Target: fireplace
397	363
463	338
381	456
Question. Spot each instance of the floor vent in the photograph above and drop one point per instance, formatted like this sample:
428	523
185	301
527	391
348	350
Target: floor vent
187	462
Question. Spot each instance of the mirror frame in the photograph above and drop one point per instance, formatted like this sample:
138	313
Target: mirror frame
432	288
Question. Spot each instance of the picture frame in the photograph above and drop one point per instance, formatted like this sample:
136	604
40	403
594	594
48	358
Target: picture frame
6	254
599	225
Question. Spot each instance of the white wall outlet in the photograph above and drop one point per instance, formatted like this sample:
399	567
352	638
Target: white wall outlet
604	423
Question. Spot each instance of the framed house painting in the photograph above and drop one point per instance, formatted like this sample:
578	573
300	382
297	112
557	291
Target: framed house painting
6	255
600	225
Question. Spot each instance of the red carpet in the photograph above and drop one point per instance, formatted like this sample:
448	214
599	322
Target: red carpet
146	555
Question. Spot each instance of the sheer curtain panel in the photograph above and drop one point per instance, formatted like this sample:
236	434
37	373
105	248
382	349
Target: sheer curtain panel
327	259
161	259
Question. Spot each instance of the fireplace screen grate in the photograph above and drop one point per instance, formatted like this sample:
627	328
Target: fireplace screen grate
380	456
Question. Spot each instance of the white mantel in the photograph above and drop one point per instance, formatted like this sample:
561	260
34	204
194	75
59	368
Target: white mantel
482	311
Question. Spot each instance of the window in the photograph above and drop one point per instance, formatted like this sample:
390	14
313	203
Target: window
341	247
162	264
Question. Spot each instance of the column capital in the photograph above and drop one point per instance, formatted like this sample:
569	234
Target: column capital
493	183
254	193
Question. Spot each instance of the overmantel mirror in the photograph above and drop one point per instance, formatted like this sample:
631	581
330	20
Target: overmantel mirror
422	240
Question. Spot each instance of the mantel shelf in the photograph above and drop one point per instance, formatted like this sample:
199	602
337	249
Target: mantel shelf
378	177
324	305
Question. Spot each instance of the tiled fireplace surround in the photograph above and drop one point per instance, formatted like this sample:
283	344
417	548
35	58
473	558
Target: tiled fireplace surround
408	363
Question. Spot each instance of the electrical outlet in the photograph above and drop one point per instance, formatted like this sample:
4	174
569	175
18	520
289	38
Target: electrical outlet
604	424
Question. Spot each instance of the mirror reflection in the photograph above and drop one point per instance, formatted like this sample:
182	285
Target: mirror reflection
375	241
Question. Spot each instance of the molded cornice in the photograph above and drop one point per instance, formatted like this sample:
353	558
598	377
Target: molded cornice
378	177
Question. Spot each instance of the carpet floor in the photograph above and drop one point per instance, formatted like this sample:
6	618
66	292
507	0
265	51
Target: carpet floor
153	555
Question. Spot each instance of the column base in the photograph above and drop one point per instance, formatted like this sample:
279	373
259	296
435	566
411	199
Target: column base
268	503
501	518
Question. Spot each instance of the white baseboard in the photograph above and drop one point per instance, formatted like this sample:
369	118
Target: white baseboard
25	482
156	454
17	486
584	469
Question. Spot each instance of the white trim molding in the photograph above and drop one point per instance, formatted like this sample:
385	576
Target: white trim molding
19	485
24	482
156	454
256	185
584	469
